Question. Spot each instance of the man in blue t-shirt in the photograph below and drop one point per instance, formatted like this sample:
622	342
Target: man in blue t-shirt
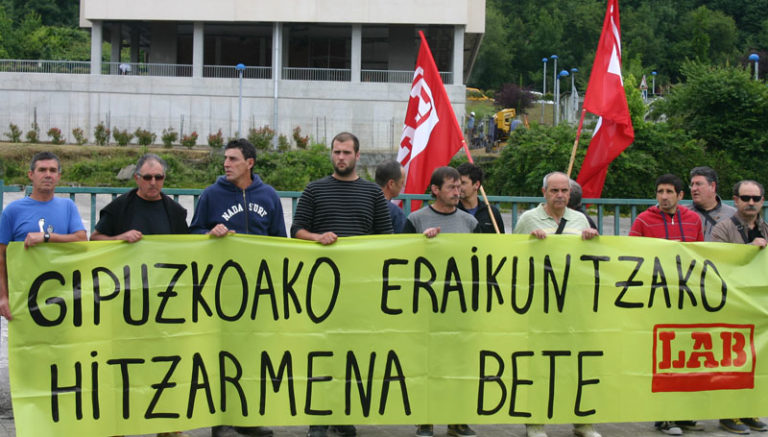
39	218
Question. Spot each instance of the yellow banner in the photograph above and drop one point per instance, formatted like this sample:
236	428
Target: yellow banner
181	332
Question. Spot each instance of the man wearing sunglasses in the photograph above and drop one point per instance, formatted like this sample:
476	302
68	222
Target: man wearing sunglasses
745	227
145	210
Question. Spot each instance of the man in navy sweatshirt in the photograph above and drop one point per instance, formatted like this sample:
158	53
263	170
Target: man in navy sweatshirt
239	202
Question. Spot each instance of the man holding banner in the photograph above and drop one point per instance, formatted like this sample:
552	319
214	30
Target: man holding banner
745	227
443	215
554	217
340	205
145	210
239	202
39	218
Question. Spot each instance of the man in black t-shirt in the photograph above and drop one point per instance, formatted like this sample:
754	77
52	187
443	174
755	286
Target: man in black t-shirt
145	210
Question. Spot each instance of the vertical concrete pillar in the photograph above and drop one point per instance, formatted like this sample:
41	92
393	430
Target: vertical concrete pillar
197	49
277	68
458	55
96	40
357	51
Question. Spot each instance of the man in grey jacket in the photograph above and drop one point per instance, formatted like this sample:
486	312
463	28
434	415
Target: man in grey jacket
744	227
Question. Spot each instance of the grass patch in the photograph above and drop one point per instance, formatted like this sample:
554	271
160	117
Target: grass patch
97	166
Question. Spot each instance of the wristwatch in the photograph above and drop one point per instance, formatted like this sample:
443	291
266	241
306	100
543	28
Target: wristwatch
46	236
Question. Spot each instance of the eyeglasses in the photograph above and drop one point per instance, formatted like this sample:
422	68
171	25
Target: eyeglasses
745	198
149	177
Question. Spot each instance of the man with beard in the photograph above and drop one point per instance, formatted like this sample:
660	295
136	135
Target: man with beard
340	205
744	227
668	219
443	216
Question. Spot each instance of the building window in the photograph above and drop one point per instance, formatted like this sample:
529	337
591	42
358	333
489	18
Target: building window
318	46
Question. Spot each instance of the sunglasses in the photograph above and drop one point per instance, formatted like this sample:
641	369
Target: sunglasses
149	177
745	198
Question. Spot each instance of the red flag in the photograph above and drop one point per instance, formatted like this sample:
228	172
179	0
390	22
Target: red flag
605	97
431	133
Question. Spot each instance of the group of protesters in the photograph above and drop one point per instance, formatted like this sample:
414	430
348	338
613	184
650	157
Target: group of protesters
344	204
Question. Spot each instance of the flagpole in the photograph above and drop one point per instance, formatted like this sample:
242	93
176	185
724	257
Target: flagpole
482	190
576	143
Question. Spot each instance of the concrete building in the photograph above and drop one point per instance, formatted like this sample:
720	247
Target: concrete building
321	65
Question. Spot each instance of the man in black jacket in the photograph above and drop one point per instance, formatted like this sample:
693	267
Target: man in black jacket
145	210
471	178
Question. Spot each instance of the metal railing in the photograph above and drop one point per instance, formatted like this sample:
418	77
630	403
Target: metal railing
217	71
615	212
327	74
229	72
397	76
141	69
49	67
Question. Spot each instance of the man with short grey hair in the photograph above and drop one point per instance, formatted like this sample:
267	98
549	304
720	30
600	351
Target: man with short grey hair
706	203
145	210
745	227
554	217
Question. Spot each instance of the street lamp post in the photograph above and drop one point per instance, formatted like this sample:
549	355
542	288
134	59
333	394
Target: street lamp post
574	97
555	89
240	69
754	58
653	83
562	74
543	89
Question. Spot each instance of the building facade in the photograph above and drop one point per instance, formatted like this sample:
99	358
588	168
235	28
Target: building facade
321	65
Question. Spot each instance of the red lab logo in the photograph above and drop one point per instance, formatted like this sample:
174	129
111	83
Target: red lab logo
703	357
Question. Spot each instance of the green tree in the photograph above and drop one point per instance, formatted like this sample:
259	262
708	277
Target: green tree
724	108
710	36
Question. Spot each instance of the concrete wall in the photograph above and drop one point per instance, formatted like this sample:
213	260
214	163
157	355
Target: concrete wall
468	12
373	111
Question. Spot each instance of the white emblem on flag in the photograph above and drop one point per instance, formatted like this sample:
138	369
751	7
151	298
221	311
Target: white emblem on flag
419	123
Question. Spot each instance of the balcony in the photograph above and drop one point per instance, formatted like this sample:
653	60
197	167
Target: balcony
212	71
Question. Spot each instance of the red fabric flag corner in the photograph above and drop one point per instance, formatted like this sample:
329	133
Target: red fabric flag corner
605	97
431	133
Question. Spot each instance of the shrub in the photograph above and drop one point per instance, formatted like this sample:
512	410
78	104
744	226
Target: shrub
144	137
15	133
190	140
55	134
101	134
79	136
123	137
301	142
261	138
33	135
216	141
169	137
283	144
